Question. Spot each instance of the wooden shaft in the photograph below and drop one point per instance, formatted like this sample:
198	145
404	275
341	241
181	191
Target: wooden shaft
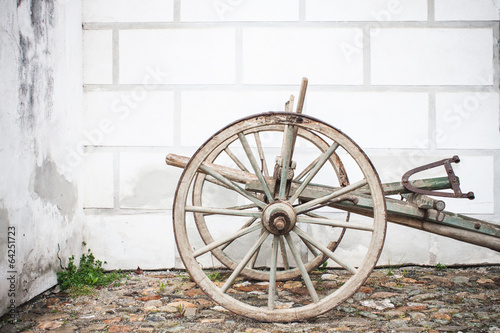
253	184
467	236
302	95
230	173
289	104
414	218
286	141
463	235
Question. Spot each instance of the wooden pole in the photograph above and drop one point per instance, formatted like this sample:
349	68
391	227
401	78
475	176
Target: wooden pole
302	95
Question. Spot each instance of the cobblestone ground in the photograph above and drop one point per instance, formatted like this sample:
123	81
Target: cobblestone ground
410	299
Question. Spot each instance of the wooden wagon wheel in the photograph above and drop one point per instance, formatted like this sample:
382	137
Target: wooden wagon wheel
255	134
279	213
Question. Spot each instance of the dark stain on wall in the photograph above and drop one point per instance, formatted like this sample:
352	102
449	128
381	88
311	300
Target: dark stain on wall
37	264
54	188
35	66
42	19
27	84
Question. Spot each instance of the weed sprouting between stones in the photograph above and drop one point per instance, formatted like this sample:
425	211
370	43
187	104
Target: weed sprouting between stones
82	279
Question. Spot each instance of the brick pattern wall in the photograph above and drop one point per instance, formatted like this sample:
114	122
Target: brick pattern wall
411	81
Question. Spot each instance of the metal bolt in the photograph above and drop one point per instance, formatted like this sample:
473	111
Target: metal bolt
280	223
439	205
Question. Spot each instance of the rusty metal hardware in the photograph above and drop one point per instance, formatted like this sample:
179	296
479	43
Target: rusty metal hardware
453	179
425	202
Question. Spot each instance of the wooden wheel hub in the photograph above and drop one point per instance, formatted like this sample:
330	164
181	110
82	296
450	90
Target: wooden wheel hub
279	217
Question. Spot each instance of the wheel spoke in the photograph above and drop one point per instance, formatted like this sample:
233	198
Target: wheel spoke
222	211
303	271
286	159
284	256
333	223
306	170
341	191
235	159
322	160
251	264
310	247
212	180
254	164
272	273
315	215
247	224
324	249
242	207
244	262
261	154
232	185
226	239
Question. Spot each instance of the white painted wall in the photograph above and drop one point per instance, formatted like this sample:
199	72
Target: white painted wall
40	119
412	81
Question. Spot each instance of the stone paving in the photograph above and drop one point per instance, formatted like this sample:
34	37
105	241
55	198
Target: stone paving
409	299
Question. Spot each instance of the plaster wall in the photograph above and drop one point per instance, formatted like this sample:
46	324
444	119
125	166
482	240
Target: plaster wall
40	114
411	81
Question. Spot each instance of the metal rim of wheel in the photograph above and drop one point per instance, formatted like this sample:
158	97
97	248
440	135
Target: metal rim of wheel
223	257
276	213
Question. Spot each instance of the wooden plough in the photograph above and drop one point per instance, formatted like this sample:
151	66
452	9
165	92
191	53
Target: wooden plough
257	219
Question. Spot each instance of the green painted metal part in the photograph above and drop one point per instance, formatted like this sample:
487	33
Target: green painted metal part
359	201
440	183
403	208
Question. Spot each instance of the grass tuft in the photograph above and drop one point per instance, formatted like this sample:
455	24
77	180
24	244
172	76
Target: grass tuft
84	278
